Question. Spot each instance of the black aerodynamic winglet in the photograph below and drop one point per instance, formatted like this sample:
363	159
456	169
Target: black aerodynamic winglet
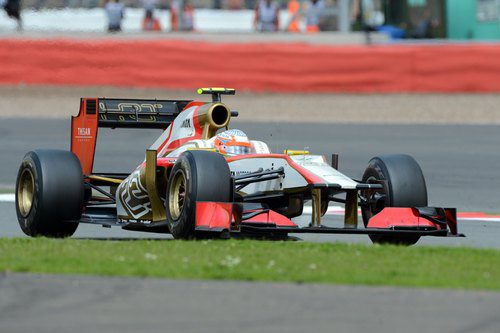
138	113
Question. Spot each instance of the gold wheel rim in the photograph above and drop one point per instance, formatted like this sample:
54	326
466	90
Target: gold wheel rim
25	192
177	195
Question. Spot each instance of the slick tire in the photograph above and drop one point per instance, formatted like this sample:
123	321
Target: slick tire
49	193
196	176
404	186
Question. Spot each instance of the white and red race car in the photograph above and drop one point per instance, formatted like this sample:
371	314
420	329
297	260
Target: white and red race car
200	179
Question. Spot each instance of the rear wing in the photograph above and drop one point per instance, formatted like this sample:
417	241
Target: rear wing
136	113
117	113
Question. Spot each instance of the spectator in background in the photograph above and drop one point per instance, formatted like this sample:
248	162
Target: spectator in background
181	15
313	12
294	14
150	23
423	26
217	4
267	16
114	10
234	4
13	9
149	5
39	4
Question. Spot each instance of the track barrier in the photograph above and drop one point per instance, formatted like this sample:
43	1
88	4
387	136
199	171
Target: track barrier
259	67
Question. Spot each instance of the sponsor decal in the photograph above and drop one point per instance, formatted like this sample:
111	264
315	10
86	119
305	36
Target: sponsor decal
83	133
134	196
135	221
237	173
243	172
186	123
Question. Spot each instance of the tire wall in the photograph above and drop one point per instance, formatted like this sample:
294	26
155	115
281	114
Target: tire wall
278	67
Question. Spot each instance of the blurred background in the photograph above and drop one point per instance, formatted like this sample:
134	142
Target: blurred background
397	19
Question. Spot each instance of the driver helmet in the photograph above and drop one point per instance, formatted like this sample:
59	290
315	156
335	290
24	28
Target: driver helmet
232	142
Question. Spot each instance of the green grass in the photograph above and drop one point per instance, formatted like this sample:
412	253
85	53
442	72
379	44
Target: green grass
6	191
336	263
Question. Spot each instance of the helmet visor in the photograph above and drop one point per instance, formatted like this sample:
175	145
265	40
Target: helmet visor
237	150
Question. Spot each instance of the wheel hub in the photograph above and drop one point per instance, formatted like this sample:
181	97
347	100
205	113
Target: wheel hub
177	195
25	192
374	200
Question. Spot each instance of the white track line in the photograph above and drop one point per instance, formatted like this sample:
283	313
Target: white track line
486	219
7	197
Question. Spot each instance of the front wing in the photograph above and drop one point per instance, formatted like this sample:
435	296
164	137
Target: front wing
421	221
231	218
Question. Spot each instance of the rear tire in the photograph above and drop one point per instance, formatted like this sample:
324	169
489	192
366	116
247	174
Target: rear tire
404	186
49	193
196	176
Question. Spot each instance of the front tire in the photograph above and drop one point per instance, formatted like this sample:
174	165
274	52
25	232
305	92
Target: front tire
196	176
49	193
404	186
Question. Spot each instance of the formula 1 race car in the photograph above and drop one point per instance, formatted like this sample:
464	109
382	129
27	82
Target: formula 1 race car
202	179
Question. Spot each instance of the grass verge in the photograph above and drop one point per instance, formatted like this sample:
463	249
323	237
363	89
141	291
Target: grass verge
336	263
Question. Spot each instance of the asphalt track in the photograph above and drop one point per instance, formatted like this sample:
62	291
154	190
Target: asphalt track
93	304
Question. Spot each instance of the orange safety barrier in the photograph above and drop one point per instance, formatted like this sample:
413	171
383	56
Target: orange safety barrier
278	67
